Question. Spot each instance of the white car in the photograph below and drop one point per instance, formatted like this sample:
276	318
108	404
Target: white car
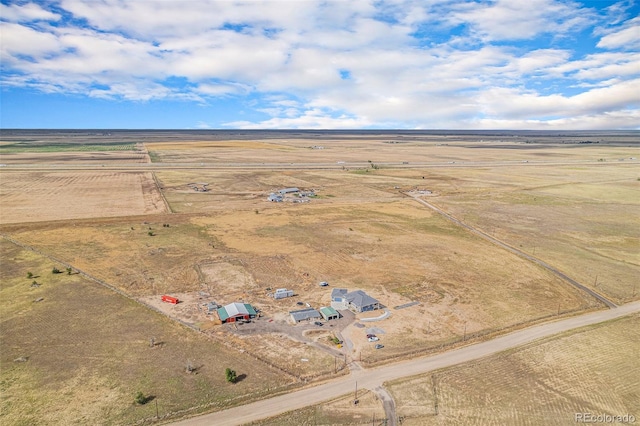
373	339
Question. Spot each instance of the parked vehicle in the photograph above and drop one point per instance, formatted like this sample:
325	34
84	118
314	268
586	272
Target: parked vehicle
379	346
318	323
323	284
373	339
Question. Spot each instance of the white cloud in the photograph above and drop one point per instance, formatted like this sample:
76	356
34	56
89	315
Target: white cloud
520	19
26	13
334	64
627	37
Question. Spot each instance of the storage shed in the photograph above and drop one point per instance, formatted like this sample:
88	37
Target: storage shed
281	293
304	314
288	190
328	313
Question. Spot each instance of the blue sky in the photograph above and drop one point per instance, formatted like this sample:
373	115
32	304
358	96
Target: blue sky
430	64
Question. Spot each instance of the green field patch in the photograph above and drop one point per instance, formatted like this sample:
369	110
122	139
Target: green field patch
21	147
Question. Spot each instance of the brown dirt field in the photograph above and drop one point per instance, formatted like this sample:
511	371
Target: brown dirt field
593	370
365	149
42	196
87	354
62	158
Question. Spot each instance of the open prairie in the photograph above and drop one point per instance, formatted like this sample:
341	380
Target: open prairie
195	222
593	370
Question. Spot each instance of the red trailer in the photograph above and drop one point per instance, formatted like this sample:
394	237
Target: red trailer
170	299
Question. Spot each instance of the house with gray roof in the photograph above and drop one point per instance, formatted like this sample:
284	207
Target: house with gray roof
357	301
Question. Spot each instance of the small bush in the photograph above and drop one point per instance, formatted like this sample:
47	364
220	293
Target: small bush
230	375
56	270
29	275
140	399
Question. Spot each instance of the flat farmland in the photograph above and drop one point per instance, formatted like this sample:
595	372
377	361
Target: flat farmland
573	205
377	151
80	354
43	196
592	370
395	249
583	220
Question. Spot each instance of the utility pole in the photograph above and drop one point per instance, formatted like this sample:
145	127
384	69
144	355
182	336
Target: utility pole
355	399
464	336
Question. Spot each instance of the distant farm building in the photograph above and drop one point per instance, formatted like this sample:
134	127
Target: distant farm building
282	293
276	198
328	313
304	315
288	190
236	311
357	301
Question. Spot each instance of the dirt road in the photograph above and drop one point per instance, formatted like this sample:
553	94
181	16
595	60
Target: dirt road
373	378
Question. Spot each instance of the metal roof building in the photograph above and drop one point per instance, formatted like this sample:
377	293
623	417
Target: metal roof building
235	311
304	314
329	313
288	190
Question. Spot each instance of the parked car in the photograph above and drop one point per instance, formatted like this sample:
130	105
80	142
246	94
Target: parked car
318	323
379	346
323	284
373	339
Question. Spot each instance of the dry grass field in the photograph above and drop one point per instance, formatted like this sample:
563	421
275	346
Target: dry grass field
593	370
557	202
340	411
44	196
87	352
583	220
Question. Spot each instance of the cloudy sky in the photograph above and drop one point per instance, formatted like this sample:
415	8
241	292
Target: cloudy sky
430	64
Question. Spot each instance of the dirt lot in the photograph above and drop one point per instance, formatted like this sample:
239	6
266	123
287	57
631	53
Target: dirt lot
42	196
588	371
